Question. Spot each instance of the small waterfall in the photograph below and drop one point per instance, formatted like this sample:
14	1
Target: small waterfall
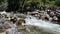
46	26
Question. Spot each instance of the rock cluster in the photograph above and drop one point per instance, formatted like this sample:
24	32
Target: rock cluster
47	14
7	21
17	21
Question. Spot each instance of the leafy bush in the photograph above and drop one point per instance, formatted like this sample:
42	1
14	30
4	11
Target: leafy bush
20	4
57	2
3	4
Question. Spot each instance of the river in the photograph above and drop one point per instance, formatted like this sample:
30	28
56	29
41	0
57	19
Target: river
41	24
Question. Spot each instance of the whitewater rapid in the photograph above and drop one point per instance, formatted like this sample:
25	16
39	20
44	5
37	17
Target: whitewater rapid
45	26
41	24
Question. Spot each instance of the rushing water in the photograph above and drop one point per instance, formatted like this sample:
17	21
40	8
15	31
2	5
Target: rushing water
46	26
43	25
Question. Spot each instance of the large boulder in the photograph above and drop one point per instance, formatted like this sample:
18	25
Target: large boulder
20	22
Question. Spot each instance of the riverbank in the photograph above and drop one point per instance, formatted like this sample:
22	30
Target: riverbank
16	23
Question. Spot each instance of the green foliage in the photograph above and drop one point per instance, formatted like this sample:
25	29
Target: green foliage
28	2
3	4
57	2
49	3
22	3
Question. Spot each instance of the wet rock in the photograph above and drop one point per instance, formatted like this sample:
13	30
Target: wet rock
55	18
8	18
47	15
48	12
7	32
52	14
42	17
21	16
28	13
36	15
50	19
3	33
58	15
3	12
20	22
35	12
14	19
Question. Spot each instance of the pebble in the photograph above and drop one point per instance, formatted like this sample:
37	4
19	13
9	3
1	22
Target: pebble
50	19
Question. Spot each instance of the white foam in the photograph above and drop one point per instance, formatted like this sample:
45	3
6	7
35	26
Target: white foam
47	26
